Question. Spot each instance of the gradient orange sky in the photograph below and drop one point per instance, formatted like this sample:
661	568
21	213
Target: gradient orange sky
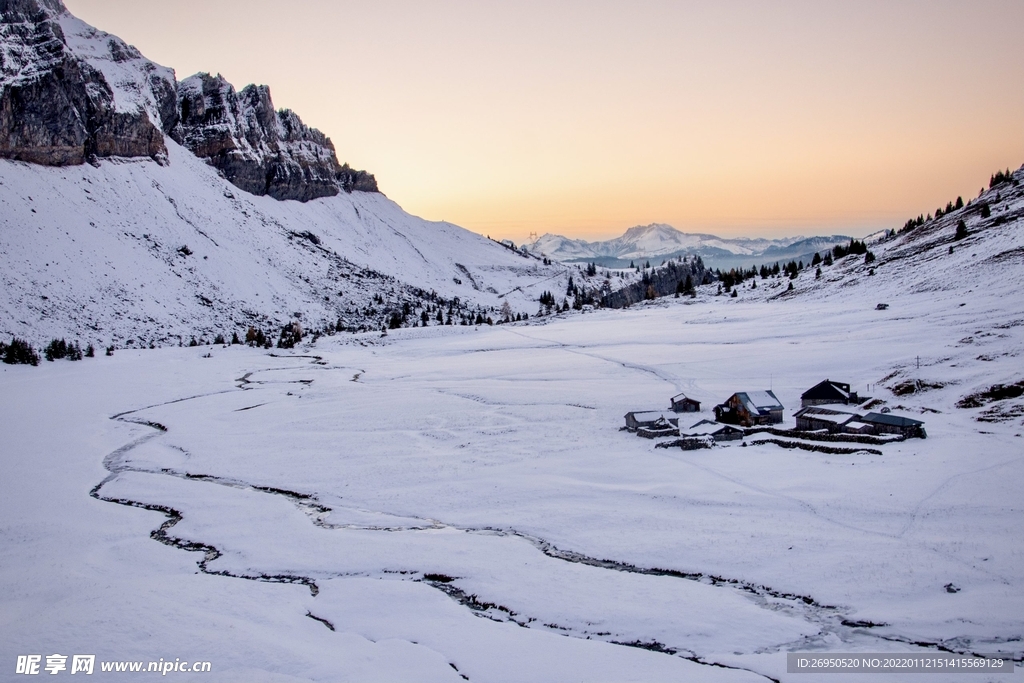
585	118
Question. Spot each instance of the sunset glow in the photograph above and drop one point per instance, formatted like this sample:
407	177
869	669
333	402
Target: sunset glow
585	118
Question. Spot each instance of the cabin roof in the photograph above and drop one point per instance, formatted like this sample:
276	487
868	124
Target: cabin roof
828	390
891	420
649	415
826	411
708	428
759	401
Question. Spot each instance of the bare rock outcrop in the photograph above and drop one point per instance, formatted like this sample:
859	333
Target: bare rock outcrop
261	150
69	92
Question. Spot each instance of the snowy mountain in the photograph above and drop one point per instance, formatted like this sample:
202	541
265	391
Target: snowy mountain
659	241
178	225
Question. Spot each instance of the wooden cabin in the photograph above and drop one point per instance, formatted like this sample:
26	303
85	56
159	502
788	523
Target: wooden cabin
887	423
716	430
829	392
684	404
750	409
831	419
649	418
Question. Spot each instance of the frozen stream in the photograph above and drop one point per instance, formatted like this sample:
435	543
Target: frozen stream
465	500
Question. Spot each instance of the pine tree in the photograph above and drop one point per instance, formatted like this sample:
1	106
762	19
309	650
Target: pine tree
19	352
961	230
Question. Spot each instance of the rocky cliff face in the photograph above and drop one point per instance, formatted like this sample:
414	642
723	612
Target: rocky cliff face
260	149
69	92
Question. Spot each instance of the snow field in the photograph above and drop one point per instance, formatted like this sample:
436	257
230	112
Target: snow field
488	455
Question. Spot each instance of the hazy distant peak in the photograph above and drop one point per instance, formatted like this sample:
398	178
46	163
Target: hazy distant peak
661	241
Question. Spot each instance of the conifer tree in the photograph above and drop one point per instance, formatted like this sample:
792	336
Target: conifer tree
961	230
19	352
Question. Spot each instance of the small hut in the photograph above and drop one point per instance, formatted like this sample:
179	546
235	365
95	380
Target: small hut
716	430
887	423
649	418
829	392
684	404
750	408
831	419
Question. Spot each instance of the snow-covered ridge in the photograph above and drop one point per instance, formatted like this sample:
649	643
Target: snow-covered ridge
130	249
663	241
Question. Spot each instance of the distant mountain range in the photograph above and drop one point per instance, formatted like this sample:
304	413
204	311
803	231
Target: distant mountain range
659	241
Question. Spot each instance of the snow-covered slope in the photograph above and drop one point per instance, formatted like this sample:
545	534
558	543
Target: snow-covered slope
929	258
663	241
131	249
501	527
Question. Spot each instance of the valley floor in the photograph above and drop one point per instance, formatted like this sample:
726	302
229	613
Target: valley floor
460	503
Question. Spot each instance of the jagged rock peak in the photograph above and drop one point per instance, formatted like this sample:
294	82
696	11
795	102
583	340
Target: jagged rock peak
69	92
29	8
262	150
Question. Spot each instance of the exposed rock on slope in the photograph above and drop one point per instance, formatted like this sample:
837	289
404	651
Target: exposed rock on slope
69	92
259	149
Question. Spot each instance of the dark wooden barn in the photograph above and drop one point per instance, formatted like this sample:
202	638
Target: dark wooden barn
813	419
829	392
648	418
750	409
887	423
716	430
684	404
